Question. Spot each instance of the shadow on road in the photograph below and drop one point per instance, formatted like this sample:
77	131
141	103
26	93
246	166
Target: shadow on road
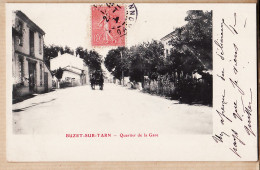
22	98
19	99
33	104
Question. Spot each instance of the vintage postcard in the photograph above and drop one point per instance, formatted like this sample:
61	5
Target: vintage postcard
131	82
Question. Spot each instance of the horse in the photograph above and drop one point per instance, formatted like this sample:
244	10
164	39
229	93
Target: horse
97	79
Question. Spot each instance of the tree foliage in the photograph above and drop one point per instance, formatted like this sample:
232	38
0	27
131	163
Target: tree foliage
68	50
91	58
192	43
117	61
145	59
191	52
80	52
58	73
51	52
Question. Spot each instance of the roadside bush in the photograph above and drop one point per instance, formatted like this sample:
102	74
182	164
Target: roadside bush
189	90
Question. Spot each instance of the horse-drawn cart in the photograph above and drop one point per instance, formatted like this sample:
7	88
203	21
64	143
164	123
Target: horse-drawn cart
97	79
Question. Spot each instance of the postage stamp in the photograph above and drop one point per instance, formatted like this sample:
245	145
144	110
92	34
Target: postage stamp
108	25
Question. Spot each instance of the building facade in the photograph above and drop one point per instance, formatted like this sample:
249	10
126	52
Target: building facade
30	74
75	70
165	40
168	48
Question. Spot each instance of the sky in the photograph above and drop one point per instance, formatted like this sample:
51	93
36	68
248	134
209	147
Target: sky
70	24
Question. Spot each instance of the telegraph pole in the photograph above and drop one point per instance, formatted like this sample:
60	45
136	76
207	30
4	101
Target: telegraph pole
122	67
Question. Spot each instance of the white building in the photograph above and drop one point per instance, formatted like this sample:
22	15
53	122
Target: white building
29	71
75	71
165	40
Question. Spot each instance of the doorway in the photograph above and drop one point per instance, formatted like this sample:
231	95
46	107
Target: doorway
32	77
45	82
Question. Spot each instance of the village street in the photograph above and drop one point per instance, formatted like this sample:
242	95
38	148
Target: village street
115	109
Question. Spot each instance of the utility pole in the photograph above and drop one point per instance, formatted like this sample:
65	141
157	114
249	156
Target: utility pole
122	67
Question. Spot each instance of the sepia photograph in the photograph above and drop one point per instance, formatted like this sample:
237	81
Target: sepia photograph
60	84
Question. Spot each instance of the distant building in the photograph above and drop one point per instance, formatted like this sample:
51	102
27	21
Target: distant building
165	40
167	47
30	74
75	70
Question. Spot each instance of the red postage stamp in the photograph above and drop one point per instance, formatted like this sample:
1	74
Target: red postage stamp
108	25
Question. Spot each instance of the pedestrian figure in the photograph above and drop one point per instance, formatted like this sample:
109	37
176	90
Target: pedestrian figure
101	81
92	82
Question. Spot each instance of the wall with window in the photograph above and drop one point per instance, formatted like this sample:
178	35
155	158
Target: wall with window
70	75
167	47
20	75
38	45
22	41
20	70
21	57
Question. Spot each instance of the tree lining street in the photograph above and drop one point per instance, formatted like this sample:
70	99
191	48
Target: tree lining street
115	109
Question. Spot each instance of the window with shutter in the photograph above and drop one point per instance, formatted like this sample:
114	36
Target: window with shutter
40	44
19	28
20	68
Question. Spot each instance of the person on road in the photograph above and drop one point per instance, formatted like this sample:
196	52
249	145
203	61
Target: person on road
92	82
101	81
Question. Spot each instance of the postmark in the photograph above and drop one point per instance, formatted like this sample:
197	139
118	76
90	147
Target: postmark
131	14
108	25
